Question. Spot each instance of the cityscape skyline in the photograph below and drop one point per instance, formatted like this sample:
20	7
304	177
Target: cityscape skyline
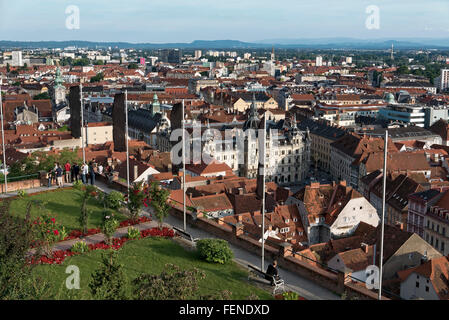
251	21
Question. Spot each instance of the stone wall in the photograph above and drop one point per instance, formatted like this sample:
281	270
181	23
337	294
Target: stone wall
335	282
21	185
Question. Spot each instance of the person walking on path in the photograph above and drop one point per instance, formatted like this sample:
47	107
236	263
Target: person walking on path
59	176
92	173
68	173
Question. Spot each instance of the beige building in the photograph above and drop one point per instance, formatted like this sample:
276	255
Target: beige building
436	225
98	133
322	135
242	105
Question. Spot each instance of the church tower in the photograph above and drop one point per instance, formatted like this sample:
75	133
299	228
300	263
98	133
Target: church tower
59	89
155	106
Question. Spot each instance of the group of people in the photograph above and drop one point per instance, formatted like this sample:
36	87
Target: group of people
73	173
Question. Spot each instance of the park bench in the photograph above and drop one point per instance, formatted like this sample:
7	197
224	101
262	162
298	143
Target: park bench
276	284
184	234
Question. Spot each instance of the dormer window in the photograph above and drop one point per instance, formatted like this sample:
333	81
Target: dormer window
287	220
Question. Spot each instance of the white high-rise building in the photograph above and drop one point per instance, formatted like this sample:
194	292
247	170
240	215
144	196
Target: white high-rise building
319	61
198	54
17	60
444	79
349	60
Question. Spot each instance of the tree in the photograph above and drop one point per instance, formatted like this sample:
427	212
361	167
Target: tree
81	62
99	77
403	70
133	66
109	282
159	197
88	192
172	284
8	68
16	238
42	96
136	199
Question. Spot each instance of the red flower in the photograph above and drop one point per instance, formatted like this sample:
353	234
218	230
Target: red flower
56	232
53	220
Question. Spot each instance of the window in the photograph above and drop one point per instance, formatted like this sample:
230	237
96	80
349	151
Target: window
427	289
417	284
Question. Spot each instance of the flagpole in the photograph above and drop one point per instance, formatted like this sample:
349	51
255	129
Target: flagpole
126	135
263	191
3	137
383	214
82	122
184	167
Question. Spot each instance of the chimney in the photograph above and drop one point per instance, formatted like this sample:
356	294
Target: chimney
315	185
343	183
136	172
239	218
240	191
365	247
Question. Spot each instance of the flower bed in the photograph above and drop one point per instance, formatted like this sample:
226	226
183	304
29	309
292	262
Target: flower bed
130	222
60	255
75	234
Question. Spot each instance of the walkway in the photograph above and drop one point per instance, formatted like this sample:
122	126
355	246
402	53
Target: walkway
293	281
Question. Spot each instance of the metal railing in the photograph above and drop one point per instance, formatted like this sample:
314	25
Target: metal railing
19	178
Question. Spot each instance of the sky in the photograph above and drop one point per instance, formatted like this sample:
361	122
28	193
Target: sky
160	21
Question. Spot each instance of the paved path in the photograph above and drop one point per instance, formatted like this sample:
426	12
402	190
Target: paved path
293	281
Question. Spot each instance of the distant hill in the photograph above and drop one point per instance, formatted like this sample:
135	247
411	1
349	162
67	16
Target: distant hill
319	43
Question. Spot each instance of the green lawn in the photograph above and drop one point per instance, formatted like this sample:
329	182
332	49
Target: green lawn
65	205
150	255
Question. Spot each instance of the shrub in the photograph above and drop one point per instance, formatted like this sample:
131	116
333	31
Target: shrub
172	284
78	184
133	233
22	193
290	295
136	200
80	247
113	199
109	226
214	250
109	281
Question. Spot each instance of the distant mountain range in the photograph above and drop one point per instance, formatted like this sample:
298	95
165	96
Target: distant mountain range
318	43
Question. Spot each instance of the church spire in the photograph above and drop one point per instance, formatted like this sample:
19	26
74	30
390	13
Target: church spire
253	117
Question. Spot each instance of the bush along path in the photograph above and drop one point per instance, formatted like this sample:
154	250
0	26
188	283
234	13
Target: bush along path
62	249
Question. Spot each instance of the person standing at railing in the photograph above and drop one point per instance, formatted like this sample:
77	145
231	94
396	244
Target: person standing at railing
68	174
59	176
76	172
84	172
49	177
91	173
